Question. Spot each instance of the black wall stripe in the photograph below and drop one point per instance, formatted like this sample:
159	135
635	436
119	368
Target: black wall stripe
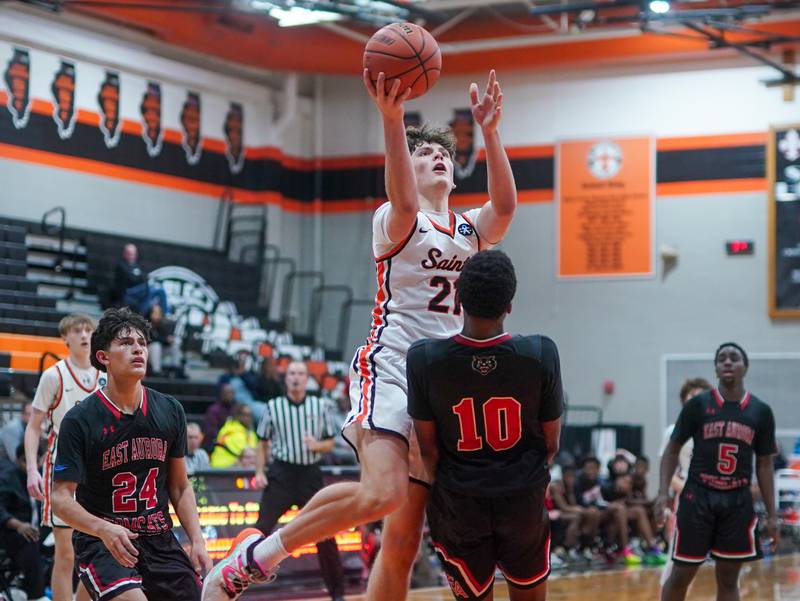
269	175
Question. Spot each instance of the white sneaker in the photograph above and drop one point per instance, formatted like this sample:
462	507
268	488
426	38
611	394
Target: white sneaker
238	570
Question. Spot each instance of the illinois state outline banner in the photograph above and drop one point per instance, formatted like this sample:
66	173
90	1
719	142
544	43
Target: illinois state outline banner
605	192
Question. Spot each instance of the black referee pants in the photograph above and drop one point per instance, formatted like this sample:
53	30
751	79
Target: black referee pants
291	484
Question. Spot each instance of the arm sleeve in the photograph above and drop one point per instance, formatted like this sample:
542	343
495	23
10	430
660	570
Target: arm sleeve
178	446
472	217
73	441
688	421
48	390
418	402
765	434
381	243
552	399
264	430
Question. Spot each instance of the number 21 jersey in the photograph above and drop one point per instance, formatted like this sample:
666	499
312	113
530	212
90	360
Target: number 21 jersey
416	295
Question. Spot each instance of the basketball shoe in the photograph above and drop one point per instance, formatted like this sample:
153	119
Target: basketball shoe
237	570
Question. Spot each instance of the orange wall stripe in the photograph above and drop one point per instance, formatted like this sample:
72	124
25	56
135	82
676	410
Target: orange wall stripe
712	186
712	141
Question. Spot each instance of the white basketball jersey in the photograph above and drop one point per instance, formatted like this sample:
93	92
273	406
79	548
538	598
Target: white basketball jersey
416	295
63	386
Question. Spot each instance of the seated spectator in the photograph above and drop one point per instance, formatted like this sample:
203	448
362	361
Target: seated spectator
269	383
219	411
19	538
13	432
582	523
131	287
163	344
196	457
237	376
235	435
640	470
247	460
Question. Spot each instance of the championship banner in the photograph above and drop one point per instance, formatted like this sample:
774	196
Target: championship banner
605	191
783	172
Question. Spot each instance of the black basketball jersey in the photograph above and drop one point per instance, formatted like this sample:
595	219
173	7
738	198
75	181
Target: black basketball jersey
120	460
726	435
488	399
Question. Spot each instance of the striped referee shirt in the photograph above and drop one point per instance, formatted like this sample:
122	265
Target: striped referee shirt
286	423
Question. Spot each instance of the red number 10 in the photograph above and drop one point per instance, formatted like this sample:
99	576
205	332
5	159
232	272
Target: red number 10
502	419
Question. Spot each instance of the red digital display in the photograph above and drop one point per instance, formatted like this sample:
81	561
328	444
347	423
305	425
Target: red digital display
740	247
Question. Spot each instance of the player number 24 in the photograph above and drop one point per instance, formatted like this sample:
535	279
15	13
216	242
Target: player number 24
502	420
123	500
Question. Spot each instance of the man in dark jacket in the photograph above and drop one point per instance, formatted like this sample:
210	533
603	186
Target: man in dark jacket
18	537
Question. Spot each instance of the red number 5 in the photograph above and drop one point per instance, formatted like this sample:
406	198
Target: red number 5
727	458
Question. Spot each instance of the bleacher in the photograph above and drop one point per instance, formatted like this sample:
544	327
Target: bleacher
49	272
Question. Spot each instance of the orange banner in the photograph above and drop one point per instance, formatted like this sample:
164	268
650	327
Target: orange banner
605	207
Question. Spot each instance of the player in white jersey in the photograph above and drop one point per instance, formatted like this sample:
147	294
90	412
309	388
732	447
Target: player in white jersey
420	247
61	387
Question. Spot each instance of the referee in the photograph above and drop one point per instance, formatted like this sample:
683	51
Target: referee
298	429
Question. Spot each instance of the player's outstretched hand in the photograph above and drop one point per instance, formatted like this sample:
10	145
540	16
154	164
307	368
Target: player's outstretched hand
200	560
35	485
118	541
660	511
389	102
488	109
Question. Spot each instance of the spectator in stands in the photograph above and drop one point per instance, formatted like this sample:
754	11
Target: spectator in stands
216	415
269	384
233	437
19	538
13	432
196	457
130	284
582	523
163	344
640	470
237	376
247	460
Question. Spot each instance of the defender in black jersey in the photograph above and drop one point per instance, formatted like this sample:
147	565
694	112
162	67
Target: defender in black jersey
120	452
486	408
715	512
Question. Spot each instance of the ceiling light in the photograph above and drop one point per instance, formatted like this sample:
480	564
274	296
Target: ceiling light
301	16
659	6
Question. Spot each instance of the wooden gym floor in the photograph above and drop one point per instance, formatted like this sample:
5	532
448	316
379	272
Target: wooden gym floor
776	579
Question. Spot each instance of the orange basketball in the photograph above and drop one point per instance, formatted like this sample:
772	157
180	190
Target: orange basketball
406	52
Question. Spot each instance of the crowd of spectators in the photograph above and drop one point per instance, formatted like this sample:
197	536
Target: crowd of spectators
597	518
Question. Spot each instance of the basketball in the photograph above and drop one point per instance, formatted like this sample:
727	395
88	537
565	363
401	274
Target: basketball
407	52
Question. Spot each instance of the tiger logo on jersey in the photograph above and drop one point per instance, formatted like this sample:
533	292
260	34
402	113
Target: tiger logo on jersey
190	121
18	81
108	99
150	108
484	365
234	137
463	126
63	88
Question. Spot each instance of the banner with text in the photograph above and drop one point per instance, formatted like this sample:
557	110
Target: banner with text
605	191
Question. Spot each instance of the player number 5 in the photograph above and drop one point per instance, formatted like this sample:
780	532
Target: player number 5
726	463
